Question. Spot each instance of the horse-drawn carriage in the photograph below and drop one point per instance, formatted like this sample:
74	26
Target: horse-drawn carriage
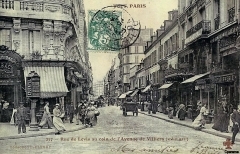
130	107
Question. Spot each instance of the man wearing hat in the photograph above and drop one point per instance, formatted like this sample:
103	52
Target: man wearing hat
21	117
236	123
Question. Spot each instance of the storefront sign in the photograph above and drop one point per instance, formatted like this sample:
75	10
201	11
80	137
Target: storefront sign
6	67
224	78
33	85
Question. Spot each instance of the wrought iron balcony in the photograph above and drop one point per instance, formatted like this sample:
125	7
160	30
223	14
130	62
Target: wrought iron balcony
182	18
201	4
190	11
217	22
231	14
174	72
7	4
205	25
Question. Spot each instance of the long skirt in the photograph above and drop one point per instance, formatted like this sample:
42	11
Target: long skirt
198	122
92	118
222	122
58	124
46	120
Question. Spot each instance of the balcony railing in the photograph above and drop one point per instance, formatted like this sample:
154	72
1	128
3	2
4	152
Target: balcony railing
182	18
200	4
31	6
205	25
190	11
7	4
183	71
231	14
217	22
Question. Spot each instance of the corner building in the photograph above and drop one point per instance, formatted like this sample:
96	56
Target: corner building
48	37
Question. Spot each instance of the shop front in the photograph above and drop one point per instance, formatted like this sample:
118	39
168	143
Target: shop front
11	82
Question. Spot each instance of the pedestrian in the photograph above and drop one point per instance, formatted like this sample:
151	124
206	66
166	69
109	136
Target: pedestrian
222	122
21	117
57	121
90	114
46	118
77	113
181	112
199	122
149	107
236	123
82	113
71	112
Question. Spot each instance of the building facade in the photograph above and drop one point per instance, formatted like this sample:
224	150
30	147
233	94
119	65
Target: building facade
33	39
131	56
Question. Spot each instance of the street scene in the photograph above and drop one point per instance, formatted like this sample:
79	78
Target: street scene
145	76
119	134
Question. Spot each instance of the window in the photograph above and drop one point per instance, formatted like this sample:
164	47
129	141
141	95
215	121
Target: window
5	38
136	49
31	41
136	59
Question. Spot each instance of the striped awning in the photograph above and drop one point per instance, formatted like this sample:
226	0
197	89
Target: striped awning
146	89
125	94
134	93
52	81
165	86
194	78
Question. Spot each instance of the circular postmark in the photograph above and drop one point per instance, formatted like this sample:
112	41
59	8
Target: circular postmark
112	28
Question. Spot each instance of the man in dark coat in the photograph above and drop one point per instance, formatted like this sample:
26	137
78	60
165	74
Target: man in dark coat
236	123
71	112
21	117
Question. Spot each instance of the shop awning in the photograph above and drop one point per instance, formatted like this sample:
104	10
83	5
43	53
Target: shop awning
165	86
134	93
146	89
125	94
194	78
52	81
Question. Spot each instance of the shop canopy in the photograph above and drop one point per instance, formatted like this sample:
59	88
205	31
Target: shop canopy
125	94
134	93
52	81
194	78
165	86
146	89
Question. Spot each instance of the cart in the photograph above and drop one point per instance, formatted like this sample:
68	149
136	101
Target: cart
130	107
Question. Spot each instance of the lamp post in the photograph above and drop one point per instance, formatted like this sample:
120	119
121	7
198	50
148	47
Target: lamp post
33	93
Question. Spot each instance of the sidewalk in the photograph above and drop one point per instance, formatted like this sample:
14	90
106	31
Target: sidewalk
8	131
188	123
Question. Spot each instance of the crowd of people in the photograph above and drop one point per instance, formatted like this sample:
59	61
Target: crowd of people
85	112
227	118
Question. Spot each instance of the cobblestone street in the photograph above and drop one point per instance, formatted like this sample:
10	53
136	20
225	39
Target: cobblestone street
118	134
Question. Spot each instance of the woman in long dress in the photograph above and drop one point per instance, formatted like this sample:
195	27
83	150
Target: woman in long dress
222	122
90	115
199	122
46	118
57	121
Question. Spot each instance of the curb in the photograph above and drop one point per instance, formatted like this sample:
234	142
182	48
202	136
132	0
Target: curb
40	134
203	130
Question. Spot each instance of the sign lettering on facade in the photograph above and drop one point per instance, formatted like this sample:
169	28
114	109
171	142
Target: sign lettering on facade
33	86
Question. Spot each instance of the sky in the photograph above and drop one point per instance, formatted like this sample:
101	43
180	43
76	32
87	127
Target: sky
150	16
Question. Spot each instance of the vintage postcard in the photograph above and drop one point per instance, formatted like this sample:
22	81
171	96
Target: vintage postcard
126	76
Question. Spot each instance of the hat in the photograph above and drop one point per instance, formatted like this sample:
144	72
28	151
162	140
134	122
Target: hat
57	104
